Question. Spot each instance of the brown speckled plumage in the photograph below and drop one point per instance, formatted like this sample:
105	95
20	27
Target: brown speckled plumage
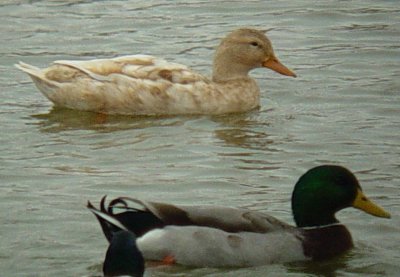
145	85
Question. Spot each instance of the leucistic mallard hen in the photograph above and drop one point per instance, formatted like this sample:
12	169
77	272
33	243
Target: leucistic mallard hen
145	85
210	236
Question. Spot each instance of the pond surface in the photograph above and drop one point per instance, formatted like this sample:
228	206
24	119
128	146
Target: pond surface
342	109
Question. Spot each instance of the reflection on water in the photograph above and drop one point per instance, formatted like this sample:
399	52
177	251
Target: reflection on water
243	131
246	138
58	120
330	268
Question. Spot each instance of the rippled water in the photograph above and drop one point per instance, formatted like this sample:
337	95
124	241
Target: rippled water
342	109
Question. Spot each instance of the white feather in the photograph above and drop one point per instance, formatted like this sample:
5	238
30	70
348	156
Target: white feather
108	218
204	246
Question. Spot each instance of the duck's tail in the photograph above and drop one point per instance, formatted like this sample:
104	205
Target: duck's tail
121	229
45	85
33	71
121	215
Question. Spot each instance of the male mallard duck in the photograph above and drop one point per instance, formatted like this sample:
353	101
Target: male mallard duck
145	85
209	236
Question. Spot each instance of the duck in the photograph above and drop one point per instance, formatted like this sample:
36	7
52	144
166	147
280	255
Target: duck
123	258
219	236
148	85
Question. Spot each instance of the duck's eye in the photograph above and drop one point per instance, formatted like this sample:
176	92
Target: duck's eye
254	43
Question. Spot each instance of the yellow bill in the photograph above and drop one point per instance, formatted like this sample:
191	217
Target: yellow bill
363	203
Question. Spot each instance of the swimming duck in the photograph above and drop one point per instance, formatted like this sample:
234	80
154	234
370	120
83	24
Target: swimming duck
212	236
146	85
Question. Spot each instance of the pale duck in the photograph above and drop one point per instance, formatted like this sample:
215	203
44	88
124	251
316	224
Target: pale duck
146	85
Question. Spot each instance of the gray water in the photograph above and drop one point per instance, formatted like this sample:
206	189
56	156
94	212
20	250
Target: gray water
342	109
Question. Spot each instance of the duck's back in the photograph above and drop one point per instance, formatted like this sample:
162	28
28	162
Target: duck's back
142	67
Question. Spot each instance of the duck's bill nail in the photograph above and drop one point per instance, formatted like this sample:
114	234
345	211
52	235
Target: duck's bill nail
274	64
363	203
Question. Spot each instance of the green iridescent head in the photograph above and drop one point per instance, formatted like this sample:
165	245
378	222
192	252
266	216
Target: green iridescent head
324	190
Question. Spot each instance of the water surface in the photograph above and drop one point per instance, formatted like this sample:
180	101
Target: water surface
342	109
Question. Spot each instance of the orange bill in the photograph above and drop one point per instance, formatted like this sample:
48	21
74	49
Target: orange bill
274	64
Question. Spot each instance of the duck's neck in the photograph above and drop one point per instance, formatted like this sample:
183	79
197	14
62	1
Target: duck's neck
226	67
327	242
314	218
222	73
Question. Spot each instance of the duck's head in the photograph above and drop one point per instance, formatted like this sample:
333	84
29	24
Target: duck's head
123	256
326	189
243	50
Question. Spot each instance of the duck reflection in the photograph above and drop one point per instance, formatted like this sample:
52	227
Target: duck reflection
245	137
60	119
246	130
330	268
